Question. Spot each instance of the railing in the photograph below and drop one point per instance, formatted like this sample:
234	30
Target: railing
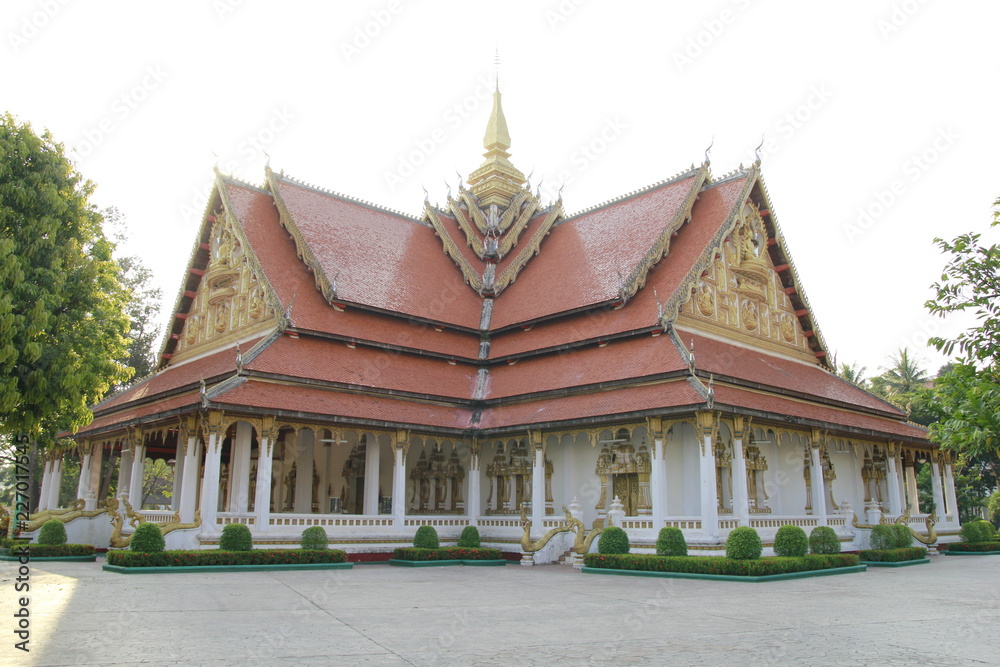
227	518
157	516
775	522
499	523
729	524
683	523
836	521
435	521
332	520
637	524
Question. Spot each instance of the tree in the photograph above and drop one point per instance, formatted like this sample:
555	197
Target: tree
62	305
902	377
852	374
144	305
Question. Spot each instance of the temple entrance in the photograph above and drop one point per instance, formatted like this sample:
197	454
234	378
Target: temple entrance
626	488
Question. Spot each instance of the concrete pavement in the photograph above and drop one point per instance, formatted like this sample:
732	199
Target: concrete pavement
945	613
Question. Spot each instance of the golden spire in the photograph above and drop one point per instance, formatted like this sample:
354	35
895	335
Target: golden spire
497	180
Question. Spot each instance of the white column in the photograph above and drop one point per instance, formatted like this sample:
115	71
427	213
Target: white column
54	482
937	491
538	490
709	491
473	496
239	464
371	475
892	482
262	494
189	478
658	482
741	499
83	484
303	473
399	484
949	491
124	472
210	482
175	498
43	492
96	460
136	479
911	489
816	479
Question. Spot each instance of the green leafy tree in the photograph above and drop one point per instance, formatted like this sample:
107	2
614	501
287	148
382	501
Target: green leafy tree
62	306
157	482
903	377
852	373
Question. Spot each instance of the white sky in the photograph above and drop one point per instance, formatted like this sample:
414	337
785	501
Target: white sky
850	96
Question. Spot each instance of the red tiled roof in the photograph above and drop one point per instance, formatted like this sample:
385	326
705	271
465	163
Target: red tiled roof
582	260
714	206
612	402
742	398
321	402
128	414
380	259
637	357
330	361
725	359
295	285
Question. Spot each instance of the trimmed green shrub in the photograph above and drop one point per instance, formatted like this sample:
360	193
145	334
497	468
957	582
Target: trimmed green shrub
236	537
743	543
671	542
972	532
969	546
51	551
147	539
426	538
52	533
445	553
902	537
883	537
717	565
613	540
220	557
314	537
469	539
990	529
823	540
893	555
791	541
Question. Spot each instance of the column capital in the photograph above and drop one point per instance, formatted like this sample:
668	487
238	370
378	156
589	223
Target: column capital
401	441
818	438
655	426
536	440
741	424
892	449
268	427
708	422
187	427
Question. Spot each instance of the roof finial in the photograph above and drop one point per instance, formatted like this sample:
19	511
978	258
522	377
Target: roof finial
496	64
756	151
709	150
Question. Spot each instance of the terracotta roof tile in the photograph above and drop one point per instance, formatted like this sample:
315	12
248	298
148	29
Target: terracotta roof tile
128	414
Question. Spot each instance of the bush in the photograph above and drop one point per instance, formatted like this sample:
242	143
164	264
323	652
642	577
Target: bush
973	547
716	565
903	538
236	537
51	551
445	553
671	542
314	538
426	538
823	540
791	541
220	557
147	539
613	540
893	555
975	531
883	537
52	534
469	539
743	543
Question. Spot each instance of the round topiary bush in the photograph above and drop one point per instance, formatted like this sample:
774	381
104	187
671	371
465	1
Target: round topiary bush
743	543
469	539
902	537
426	538
823	540
990	530
236	537
977	531
791	541
52	533
613	540
147	539
314	538
671	542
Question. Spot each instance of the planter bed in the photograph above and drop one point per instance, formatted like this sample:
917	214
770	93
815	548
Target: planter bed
720	568
952	552
214	560
493	562
44	552
416	557
969	548
894	557
180	569
45	559
899	563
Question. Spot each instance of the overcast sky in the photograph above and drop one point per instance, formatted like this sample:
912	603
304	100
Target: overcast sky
878	118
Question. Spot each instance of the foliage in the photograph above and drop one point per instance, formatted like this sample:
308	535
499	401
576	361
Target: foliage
993	508
903	536
469	539
902	377
671	542
426	538
717	565
62	304
743	543
52	533
314	537
972	547
897	555
147	539
791	541
891	536
236	537
978	531
968	405
613	540
445	553
823	540
52	550
220	557
852	373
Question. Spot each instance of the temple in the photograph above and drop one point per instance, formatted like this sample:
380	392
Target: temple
651	361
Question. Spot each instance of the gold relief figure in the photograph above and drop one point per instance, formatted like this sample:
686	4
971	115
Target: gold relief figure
706	301
222	317
787	328
749	313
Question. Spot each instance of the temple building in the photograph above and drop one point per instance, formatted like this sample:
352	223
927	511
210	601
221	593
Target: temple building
651	361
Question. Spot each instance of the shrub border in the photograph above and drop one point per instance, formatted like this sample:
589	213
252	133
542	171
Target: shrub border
120	569
42	559
898	563
398	562
728	577
949	552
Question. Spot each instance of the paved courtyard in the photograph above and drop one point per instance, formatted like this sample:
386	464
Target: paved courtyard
945	613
